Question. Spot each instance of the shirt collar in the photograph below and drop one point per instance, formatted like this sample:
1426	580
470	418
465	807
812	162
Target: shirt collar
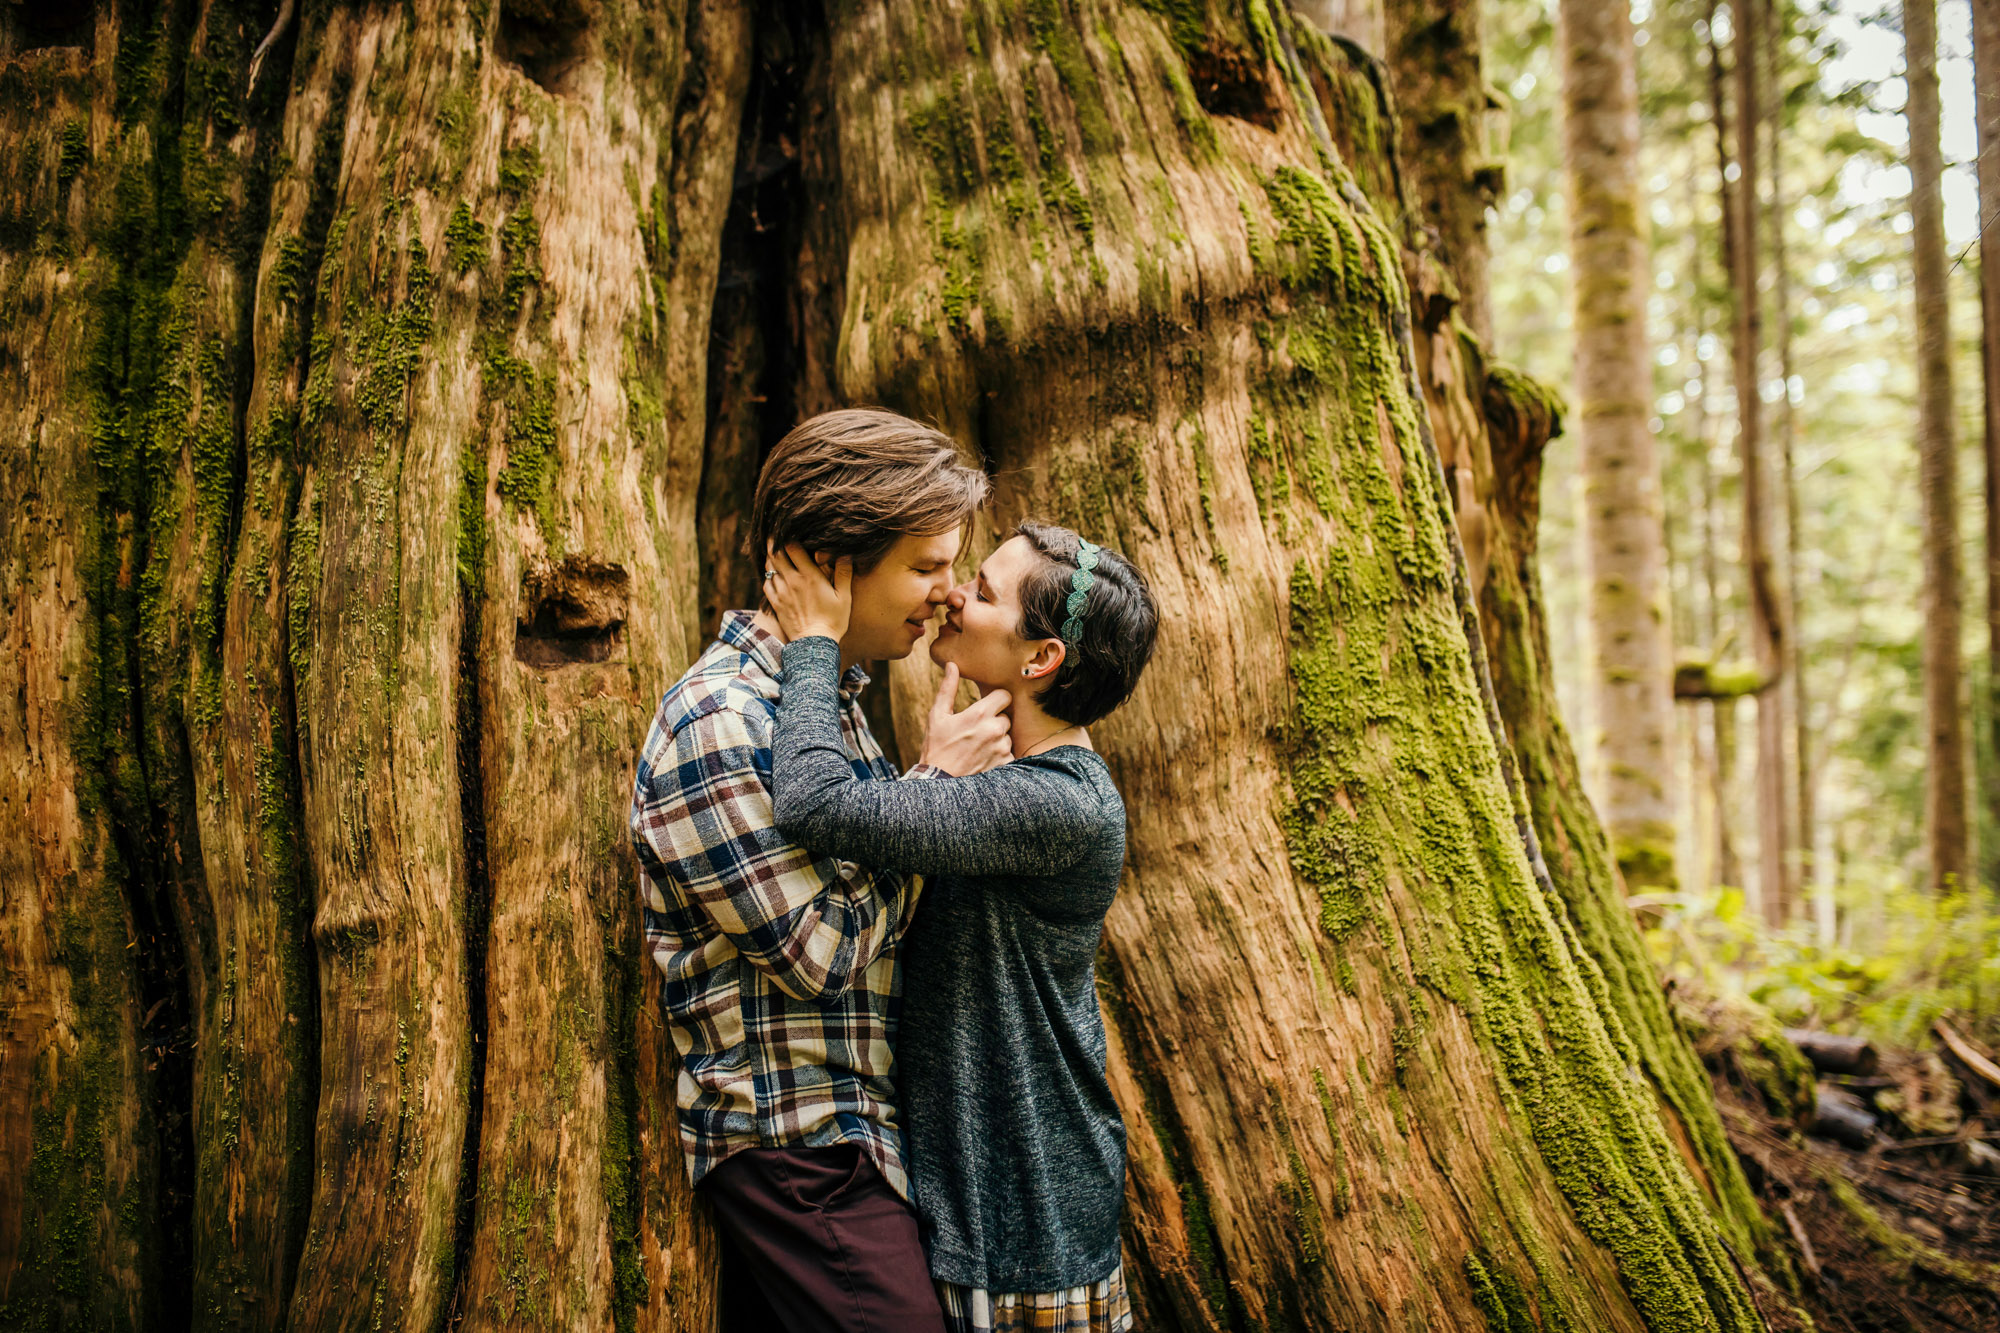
740	630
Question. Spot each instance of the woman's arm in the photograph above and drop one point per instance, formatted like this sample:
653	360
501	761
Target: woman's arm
1020	818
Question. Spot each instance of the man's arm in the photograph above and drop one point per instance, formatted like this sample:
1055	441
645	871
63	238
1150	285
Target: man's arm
701	818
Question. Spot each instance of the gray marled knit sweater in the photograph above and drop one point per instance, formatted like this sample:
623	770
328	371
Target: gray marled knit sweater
1017	1152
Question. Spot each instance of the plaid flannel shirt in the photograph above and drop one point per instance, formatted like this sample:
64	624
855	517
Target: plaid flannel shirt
782	982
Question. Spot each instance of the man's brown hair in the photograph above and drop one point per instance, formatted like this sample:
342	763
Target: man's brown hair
853	481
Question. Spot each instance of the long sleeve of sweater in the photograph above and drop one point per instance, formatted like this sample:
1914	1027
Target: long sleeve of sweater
1028	817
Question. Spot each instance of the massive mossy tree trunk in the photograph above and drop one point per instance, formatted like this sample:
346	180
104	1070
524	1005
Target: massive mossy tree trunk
374	476
361	417
1492	458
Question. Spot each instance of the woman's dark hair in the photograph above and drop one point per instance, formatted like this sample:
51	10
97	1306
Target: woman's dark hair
852	481
1118	624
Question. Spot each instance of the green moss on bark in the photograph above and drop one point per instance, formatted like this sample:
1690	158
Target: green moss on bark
465	239
75	1200
1385	701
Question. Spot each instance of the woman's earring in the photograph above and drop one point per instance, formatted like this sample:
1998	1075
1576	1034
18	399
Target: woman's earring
1027	671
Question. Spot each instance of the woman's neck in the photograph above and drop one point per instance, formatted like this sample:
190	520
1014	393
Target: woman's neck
1033	728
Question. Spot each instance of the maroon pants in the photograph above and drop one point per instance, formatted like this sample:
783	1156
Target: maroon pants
815	1241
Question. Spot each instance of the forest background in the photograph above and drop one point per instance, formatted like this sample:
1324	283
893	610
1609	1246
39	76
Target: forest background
1870	947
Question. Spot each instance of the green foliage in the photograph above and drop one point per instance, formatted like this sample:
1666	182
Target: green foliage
1902	958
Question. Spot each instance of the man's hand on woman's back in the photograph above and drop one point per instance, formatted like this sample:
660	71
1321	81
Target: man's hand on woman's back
972	740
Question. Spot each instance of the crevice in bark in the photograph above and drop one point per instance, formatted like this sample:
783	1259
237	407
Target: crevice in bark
145	760
1213	1303
474	924
302	955
302	959
167	1025
755	335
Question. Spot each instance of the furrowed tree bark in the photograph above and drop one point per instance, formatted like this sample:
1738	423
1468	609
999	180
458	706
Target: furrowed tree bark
1767	627
1946	813
1986	89
1434	49
1632	652
1176	325
359	673
94	1067
1492	457
364	658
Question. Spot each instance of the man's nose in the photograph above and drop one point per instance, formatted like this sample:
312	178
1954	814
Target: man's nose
955	598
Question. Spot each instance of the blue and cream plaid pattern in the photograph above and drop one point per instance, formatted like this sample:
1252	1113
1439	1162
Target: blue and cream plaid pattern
781	969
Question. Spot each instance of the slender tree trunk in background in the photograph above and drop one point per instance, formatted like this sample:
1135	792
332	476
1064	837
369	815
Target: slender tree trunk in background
1767	631
1722	712
1702	621
370	424
1946	810
1631	659
1795	703
1435	56
1986	81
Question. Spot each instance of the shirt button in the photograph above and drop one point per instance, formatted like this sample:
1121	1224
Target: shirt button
848	870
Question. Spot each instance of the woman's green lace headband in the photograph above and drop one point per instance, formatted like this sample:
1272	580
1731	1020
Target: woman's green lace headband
1079	590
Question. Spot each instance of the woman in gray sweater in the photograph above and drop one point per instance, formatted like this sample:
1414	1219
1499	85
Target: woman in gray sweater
1016	1149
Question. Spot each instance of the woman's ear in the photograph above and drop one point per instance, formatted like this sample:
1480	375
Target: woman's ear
1048	658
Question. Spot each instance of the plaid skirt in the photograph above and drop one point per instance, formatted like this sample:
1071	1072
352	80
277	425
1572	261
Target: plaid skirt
1100	1307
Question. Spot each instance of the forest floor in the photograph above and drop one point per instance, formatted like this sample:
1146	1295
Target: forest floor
1895	1230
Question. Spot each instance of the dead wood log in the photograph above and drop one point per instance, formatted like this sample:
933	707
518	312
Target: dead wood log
1839	1115
1831	1053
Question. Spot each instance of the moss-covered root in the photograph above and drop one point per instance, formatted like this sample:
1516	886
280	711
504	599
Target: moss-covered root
1900	1248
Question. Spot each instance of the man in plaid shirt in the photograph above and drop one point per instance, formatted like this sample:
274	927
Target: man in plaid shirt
781	969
